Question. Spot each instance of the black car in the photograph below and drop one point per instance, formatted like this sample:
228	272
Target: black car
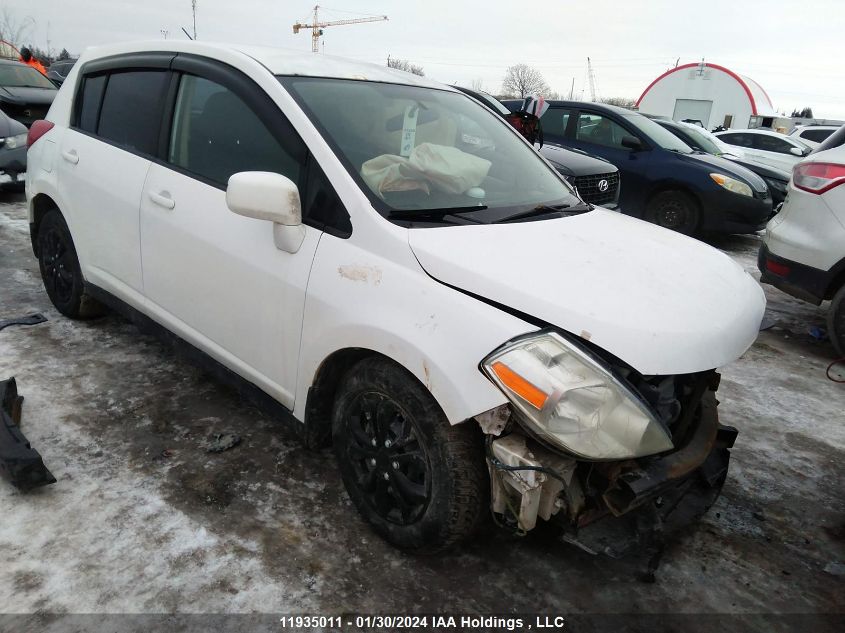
25	94
59	70
595	179
776	179
666	181
12	151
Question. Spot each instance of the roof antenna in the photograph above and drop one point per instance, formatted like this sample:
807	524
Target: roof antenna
188	35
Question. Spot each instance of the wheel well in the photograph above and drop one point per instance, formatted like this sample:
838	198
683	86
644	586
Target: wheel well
837	282
41	204
671	186
321	394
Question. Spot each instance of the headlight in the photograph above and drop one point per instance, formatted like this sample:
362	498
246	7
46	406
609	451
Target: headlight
569	400
732	184
16	141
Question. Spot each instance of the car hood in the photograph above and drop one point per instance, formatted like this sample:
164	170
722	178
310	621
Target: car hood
662	302
729	168
764	171
575	163
33	96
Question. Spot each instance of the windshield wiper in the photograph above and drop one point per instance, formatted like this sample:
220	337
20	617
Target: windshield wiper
540	209
433	214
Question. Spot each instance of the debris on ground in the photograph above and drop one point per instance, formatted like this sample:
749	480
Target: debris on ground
32	319
19	462
223	442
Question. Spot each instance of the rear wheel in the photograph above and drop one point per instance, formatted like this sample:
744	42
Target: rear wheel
836	322
420	482
60	270
674	210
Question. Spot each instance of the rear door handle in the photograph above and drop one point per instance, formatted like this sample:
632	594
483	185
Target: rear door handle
71	156
163	199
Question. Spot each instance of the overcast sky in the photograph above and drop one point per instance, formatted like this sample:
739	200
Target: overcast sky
793	49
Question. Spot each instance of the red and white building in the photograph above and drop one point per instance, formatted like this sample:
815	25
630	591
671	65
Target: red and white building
709	93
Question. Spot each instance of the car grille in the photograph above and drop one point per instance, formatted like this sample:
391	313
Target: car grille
588	187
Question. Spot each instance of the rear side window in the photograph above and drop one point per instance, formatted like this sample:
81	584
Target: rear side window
132	108
743	140
817	136
216	134
834	140
89	105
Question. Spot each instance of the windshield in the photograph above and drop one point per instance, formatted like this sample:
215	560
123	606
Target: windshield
700	137
415	149
657	134
20	76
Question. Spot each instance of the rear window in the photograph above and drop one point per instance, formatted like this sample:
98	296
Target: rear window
132	108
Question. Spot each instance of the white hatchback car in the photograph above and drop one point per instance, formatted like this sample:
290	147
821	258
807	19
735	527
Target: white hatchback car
803	252
403	275
767	147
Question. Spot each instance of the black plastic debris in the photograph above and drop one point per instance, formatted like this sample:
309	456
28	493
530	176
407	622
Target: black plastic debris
19	462
32	319
223	442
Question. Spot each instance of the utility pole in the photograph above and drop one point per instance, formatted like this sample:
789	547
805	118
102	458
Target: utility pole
572	89
194	11
592	77
164	33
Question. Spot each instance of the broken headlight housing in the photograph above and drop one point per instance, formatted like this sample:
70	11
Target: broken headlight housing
568	399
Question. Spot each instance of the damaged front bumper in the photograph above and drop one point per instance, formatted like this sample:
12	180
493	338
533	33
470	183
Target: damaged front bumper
611	508
19	462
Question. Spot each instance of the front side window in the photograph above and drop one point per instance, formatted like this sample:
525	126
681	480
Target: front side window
216	134
131	112
415	149
771	144
554	121
742	140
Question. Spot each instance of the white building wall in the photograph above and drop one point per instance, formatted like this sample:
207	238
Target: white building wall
724	91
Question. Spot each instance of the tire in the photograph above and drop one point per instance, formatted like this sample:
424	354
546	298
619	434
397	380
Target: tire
836	322
420	482
60	270
673	210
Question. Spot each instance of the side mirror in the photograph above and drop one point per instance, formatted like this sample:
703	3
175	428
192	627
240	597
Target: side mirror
265	195
632	142
797	151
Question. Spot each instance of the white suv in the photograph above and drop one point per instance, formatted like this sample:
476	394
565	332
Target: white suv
403	275
803	252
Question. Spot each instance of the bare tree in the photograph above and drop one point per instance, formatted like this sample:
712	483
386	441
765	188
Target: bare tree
622	102
522	80
13	30
404	64
477	85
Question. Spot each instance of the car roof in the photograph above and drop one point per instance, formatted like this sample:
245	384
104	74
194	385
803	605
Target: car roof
753	131
279	61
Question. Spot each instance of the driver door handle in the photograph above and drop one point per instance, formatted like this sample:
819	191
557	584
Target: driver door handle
163	199
71	156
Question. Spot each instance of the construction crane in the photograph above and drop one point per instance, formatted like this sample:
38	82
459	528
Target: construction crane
317	27
592	78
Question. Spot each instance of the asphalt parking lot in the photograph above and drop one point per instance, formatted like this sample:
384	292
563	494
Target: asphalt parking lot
144	520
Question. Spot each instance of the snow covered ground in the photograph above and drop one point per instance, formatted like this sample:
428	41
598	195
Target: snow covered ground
144	520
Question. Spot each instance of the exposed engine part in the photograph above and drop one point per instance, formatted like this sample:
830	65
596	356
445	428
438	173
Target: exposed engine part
494	421
527	479
19	462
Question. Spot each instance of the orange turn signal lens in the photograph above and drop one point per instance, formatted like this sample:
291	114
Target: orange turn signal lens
516	383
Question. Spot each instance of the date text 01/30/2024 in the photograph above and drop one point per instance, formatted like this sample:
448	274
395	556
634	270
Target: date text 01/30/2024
399	622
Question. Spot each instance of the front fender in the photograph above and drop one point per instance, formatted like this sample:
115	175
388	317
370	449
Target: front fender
357	299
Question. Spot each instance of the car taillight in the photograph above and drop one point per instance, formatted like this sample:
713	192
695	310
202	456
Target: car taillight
818	177
39	128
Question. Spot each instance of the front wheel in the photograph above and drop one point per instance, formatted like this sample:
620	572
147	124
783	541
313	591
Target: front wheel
420	482
836	322
674	210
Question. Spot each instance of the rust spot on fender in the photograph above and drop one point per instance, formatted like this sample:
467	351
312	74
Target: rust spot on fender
427	373
355	272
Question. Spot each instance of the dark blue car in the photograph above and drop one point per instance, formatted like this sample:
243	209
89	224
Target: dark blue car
666	182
